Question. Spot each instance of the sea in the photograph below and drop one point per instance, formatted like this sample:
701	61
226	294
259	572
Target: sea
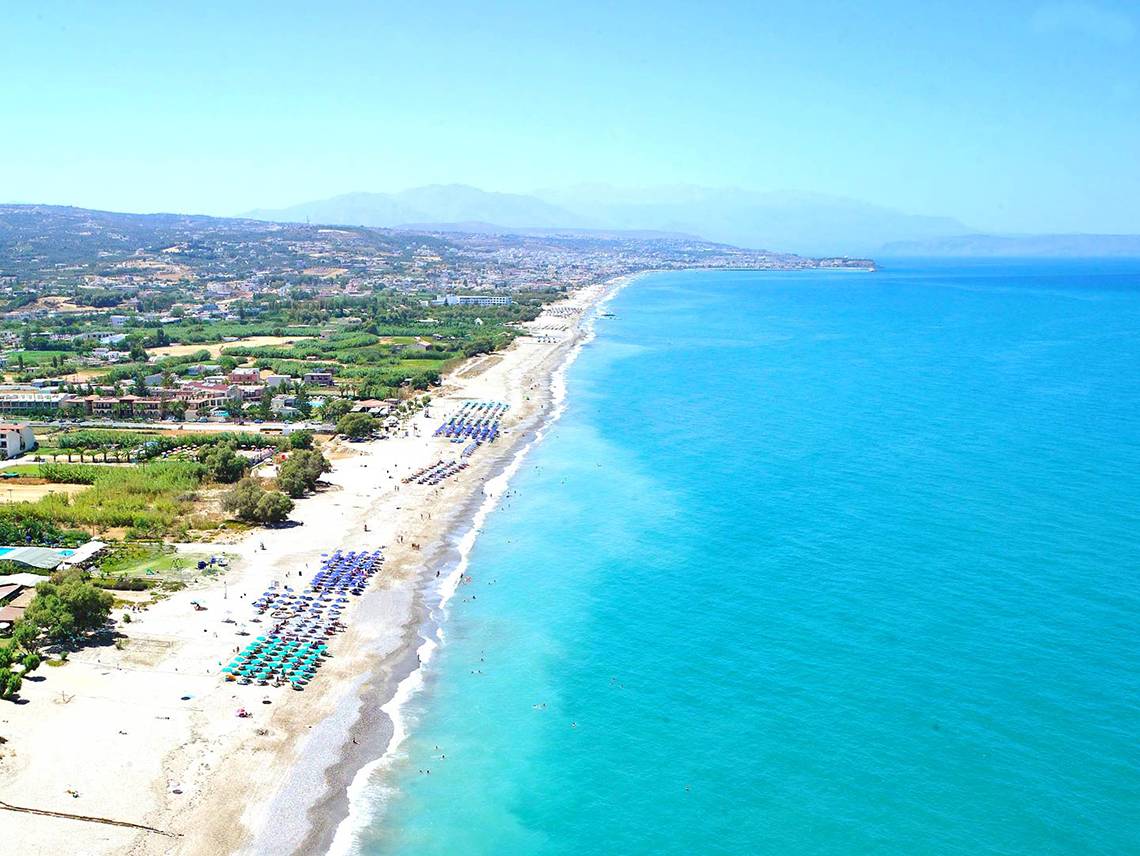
813	562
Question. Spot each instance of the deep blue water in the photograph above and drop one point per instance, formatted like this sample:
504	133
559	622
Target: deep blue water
814	563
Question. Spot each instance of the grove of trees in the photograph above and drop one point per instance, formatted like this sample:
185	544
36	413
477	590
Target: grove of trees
251	502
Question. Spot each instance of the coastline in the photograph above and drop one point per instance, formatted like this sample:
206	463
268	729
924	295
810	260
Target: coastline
284	780
351	811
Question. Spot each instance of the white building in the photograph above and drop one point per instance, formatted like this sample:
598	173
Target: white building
474	300
15	440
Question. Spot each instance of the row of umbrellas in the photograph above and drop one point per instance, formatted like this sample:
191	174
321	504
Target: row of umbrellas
293	650
441	471
271	657
476	420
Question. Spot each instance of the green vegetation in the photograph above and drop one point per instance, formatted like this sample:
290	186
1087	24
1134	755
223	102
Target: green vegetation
376	346
300	473
27	523
142	445
333	410
68	606
302	439
136	565
153	498
65	608
356	426
222	463
10	682
250	501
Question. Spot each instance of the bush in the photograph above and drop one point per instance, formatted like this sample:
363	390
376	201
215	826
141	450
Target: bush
69	473
9	683
23	523
25	635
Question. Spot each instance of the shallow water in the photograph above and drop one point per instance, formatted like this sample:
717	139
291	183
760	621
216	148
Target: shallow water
813	563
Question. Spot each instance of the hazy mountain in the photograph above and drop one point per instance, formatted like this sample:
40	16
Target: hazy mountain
468	227
450	203
788	221
1014	246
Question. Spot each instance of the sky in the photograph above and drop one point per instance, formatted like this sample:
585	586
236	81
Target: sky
1010	116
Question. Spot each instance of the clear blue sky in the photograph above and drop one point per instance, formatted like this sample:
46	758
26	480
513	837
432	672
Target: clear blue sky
1009	115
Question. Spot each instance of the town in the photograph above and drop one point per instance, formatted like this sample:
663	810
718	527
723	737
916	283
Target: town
140	318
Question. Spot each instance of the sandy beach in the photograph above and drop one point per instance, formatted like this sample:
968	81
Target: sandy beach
147	733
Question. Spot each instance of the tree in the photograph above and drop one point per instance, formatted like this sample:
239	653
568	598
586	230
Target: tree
265	405
243	499
302	439
68	605
335	408
223	464
291	480
301	401
356	426
273	507
249	501
299	475
140	385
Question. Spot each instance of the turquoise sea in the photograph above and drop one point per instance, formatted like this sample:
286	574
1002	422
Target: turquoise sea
813	563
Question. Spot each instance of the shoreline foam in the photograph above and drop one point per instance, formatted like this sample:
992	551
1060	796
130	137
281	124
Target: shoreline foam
364	791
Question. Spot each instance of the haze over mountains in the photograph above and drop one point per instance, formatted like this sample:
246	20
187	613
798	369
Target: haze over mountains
805	223
789	222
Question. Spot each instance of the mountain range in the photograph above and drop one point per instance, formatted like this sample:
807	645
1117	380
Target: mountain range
805	223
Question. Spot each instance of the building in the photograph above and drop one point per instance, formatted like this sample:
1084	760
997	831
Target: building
283	405
15	440
31	402
373	407
275	380
14	600
318	378
246	391
474	300
247	375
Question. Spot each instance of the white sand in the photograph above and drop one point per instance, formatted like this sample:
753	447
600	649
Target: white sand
112	724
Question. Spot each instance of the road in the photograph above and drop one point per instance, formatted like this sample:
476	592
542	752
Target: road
187	426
